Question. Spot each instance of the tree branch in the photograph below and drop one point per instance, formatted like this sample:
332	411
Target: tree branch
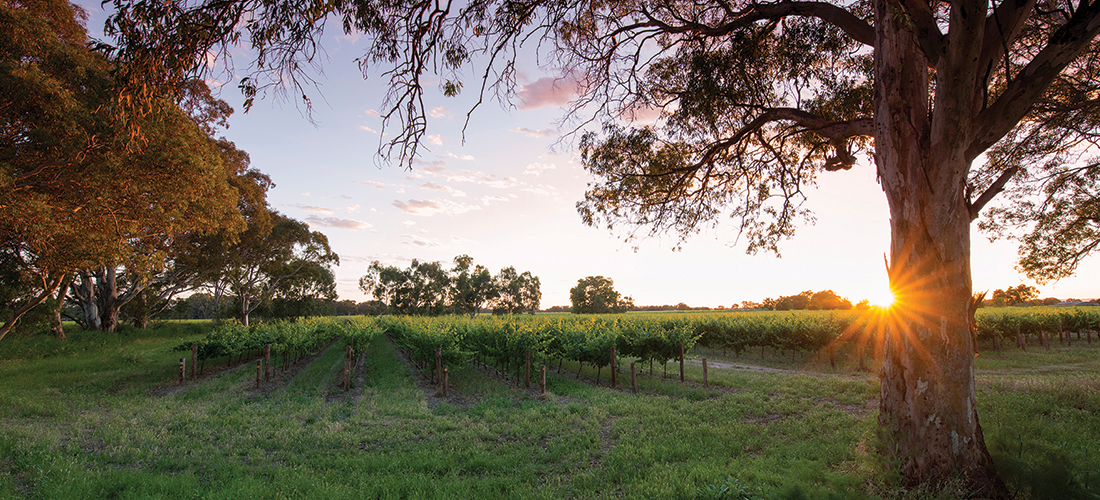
994	189
1030	83
927	30
855	27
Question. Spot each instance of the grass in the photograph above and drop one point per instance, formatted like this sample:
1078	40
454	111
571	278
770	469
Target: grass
101	417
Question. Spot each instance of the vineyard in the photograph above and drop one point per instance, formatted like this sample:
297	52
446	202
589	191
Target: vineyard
100	416
290	340
507	341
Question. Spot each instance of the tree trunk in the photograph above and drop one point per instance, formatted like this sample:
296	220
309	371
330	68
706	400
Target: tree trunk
56	327
243	300
928	412
108	297
50	286
85	294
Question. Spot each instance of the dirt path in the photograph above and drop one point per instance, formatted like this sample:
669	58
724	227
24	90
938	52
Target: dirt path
765	369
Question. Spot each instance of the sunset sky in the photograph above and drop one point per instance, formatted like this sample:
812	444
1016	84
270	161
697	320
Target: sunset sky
506	196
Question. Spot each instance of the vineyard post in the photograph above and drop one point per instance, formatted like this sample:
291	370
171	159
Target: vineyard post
267	362
997	340
258	368
1020	340
183	373
445	381
194	358
527	369
1045	339
862	355
832	355
542	379
613	368
706	383
633	379
438	364
681	362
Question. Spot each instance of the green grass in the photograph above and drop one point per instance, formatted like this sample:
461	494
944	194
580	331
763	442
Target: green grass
103	418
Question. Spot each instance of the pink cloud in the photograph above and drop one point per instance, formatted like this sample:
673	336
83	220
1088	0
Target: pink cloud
547	91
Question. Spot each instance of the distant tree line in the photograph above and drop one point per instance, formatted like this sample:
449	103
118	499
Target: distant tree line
1024	295
825	300
429	289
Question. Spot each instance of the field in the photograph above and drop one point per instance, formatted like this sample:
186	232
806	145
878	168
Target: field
103	416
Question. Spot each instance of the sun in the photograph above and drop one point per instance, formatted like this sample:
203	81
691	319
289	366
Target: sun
883	298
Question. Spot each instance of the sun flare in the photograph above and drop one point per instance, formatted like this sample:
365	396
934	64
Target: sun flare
884	298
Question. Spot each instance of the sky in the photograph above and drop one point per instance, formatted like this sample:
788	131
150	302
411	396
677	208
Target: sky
504	193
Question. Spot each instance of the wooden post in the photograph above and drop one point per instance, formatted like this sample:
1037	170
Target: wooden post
633	379
705	382
438	365
832	355
445	376
183	372
542	379
527	369
258	369
614	368
194	358
681	362
267	362
997	341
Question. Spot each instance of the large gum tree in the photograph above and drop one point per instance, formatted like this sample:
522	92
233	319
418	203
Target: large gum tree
955	101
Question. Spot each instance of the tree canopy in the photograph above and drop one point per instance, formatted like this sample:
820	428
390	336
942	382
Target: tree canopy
83	183
597	295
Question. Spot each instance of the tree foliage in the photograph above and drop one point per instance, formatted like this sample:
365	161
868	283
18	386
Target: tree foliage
427	289
597	295
85	185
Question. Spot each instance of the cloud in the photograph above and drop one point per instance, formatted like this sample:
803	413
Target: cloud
430	166
419	207
457	157
368	129
372	112
427	208
409	223
440	112
350	224
547	91
446	189
316	210
488	199
641	114
536	169
541	190
373	184
421	241
435	139
546	132
481	179
351	209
